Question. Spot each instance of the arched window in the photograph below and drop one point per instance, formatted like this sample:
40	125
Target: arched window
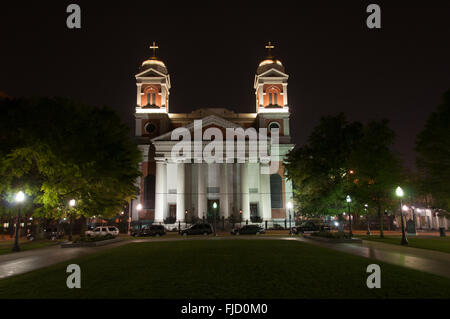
149	192
276	191
273	126
274	93
150	96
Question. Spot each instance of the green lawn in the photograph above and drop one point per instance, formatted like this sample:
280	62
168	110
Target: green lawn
430	242
6	247
224	269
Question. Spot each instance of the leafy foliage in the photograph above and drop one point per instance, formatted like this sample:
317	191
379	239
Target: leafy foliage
56	150
433	154
343	159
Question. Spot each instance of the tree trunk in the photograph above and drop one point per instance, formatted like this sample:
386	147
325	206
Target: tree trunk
83	226
380	215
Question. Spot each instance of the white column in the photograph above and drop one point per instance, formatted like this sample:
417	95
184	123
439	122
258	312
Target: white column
224	205
138	98
261	96
285	99
201	190
180	192
160	191
264	190
244	192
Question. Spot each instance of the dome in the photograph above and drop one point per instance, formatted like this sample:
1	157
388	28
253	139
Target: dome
154	63
269	63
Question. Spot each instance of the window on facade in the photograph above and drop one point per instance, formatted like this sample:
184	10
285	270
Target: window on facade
149	192
148	98
150	128
275	99
270	98
273	125
153	98
276	191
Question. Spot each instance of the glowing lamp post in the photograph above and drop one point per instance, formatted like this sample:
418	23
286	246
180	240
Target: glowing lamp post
367	217
71	205
214	209
399	193
289	207
19	198
349	200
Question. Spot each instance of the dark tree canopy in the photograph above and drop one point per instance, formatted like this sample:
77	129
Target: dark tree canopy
341	159
433	154
57	149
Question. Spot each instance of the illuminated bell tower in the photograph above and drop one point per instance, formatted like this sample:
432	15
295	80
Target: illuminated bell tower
153	85
152	99
271	95
271	85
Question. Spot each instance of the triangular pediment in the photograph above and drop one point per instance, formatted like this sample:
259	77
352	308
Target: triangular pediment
150	73
208	121
273	73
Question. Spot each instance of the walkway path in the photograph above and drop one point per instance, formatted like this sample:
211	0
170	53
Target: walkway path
431	261
420	259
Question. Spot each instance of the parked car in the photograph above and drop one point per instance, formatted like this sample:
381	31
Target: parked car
197	229
102	231
277	227
248	230
150	230
309	227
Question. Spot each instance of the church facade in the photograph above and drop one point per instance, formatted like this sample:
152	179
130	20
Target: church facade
189	188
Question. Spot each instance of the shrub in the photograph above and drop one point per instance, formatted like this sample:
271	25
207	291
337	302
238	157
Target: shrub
93	239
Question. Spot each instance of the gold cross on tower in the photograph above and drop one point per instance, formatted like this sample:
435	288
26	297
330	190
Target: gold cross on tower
154	47
269	48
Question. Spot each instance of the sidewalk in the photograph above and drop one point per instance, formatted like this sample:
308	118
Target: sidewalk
431	261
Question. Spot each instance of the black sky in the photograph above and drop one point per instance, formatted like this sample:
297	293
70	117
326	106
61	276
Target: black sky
334	61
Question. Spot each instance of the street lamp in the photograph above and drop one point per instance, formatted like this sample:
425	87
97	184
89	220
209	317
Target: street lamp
240	217
399	193
289	207
367	217
71	204
19	198
215	208
349	200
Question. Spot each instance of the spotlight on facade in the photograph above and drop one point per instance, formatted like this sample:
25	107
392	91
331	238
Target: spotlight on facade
139	207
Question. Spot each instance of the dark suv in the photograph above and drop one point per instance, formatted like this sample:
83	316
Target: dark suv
248	230
197	229
310	226
152	230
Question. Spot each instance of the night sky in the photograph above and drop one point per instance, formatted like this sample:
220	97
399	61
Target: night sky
334	61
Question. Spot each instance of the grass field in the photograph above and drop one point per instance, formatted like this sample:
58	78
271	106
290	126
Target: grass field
6	247
224	269
430	242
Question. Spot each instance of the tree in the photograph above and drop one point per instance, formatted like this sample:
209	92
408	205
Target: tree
319	170
377	169
56	150
433	154
343	159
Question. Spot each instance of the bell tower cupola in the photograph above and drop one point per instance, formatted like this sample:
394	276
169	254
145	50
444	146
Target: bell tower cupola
153	85
271	85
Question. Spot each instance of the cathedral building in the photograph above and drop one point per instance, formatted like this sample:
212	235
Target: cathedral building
188	190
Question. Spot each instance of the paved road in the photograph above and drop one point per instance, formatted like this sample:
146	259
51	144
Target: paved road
419	259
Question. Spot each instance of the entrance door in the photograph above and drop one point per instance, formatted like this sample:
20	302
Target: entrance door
211	209
173	211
